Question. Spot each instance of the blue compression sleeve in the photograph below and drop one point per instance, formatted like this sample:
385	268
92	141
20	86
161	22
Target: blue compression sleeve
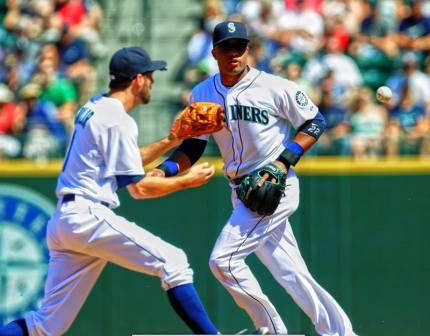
186	302
125	180
15	328
193	148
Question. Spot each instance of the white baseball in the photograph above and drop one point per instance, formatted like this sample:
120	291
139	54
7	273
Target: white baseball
384	94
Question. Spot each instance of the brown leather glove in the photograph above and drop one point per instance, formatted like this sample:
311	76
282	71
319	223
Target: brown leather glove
198	119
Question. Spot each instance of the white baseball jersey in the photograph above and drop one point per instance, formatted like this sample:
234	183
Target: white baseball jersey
260	111
84	234
104	145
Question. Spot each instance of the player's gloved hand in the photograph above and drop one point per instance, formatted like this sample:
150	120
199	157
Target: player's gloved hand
199	174
198	119
266	176
262	190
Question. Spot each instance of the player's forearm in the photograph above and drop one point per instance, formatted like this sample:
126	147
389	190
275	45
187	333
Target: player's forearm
304	140
183	157
155	150
153	186
307	135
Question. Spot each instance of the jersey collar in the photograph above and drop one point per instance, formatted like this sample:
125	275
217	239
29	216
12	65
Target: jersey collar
249	77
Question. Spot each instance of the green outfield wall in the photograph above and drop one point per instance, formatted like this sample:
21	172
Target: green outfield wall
363	227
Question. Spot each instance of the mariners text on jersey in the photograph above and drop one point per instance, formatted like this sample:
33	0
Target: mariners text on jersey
249	113
261	111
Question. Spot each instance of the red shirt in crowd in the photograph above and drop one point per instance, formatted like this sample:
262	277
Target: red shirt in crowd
72	12
8	117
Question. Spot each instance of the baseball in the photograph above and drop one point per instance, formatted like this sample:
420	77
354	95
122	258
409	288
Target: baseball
384	94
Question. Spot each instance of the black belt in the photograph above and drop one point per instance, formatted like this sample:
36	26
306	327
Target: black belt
71	198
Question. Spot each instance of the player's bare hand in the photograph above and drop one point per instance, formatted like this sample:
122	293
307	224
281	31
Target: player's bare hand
156	172
200	174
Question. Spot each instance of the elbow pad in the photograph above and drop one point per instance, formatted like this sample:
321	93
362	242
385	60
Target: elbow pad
193	148
314	127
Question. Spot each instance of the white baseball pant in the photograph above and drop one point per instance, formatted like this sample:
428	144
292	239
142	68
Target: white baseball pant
272	240
82	237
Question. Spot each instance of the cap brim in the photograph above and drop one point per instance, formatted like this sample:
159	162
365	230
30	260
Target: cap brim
231	38
158	65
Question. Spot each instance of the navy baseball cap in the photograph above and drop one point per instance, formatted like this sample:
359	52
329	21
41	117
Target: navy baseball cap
229	30
128	62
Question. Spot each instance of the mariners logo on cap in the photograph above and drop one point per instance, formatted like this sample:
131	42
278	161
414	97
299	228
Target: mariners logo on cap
24	255
231	27
301	99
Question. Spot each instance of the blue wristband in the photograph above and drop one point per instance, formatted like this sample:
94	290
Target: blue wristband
292	154
170	168
295	148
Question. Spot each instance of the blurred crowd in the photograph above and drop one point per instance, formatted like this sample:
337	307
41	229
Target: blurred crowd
339	52
47	54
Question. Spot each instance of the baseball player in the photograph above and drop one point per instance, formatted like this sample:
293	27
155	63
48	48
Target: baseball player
260	110
84	233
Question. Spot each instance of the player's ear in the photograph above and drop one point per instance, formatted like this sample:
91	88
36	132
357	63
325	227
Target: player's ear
215	53
138	80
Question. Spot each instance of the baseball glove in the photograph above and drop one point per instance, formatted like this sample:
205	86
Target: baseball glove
198	119
265	199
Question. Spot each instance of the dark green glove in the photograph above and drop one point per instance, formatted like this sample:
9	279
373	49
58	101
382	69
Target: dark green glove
265	199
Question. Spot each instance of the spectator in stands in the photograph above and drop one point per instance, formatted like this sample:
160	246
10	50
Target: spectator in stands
12	71
30	35
57	89
292	70
345	71
26	27
414	29
412	76
303	28
46	133
364	42
71	12
333	63
313	5
336	29
74	56
263	18
352	13
380	19
334	140
408	130
367	125
11	124
200	45
258	58
71	49
374	48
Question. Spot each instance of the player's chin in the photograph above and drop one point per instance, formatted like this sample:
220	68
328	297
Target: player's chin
232	71
145	99
238	68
